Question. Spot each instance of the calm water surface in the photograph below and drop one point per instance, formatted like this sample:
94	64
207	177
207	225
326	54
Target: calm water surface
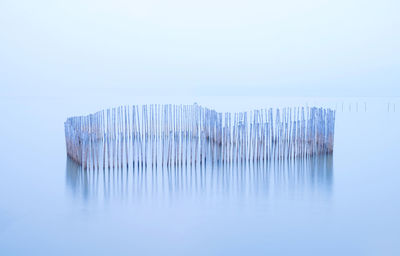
344	204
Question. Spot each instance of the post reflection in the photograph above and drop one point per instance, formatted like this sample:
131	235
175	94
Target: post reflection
295	178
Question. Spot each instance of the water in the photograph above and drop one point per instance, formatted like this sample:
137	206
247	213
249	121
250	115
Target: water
344	204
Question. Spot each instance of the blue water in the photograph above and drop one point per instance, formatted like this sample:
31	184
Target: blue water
346	204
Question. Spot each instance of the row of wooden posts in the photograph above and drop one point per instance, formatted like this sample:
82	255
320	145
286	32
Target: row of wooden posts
192	134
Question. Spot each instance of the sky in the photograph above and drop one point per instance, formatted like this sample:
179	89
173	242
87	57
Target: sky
64	49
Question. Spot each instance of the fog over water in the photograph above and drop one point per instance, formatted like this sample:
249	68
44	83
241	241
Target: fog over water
69	58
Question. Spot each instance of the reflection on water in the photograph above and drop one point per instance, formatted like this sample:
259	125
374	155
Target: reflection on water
311	176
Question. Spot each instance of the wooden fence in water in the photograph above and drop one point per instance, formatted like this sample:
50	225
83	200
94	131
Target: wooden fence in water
192	134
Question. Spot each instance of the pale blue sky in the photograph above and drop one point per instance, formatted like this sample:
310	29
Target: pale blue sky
268	48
